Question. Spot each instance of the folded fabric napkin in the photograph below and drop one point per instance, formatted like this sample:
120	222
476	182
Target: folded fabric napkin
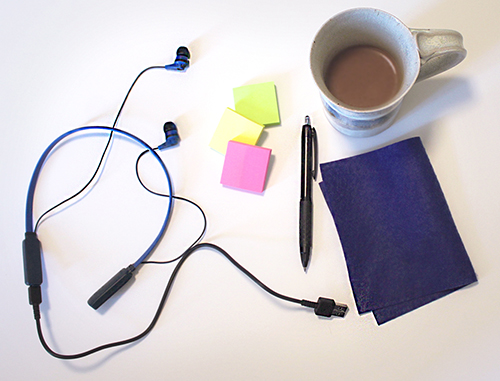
400	243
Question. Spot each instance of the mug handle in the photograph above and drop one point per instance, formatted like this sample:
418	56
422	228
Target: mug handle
439	50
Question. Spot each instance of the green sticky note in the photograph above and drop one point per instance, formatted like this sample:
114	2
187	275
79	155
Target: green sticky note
233	126
258	103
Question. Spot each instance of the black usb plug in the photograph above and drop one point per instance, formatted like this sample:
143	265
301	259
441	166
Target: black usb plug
326	307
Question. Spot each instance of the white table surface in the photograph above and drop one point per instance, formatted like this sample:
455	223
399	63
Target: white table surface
67	64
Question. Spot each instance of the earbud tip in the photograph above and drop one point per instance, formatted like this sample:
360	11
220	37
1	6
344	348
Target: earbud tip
183	51
169	126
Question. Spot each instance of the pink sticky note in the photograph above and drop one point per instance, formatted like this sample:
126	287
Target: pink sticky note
245	166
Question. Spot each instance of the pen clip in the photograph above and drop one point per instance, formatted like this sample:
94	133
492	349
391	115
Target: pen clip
315	153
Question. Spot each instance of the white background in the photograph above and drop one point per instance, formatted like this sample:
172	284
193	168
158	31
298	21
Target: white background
69	63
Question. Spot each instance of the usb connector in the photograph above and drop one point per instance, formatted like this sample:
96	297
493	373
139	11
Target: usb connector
326	307
340	310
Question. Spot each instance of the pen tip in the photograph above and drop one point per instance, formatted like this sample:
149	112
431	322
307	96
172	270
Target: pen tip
304	258
308	120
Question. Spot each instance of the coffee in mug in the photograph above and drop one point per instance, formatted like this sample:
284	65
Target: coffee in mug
364	61
363	76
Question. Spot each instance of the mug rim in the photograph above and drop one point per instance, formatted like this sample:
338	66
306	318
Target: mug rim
364	112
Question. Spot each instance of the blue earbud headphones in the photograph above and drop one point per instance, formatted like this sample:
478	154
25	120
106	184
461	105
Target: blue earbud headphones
32	248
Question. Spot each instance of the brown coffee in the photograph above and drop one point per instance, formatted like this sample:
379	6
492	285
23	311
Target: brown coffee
363	76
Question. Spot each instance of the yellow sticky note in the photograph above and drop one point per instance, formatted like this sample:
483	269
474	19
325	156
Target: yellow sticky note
233	126
258	103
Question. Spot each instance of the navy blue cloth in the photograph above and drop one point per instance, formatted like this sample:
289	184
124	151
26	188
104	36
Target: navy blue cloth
400	242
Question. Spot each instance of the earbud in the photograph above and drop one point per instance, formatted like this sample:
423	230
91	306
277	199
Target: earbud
181	61
172	137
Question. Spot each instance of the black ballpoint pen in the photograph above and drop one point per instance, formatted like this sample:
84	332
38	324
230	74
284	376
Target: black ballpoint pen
309	161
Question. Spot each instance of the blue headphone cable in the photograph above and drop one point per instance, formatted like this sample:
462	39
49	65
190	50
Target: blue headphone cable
32	252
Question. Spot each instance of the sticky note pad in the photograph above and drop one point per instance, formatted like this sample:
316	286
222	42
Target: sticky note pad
245	166
233	126
257	102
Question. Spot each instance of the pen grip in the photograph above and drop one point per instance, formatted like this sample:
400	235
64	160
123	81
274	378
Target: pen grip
305	224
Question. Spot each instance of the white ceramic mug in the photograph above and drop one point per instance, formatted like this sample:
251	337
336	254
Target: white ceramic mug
421	53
